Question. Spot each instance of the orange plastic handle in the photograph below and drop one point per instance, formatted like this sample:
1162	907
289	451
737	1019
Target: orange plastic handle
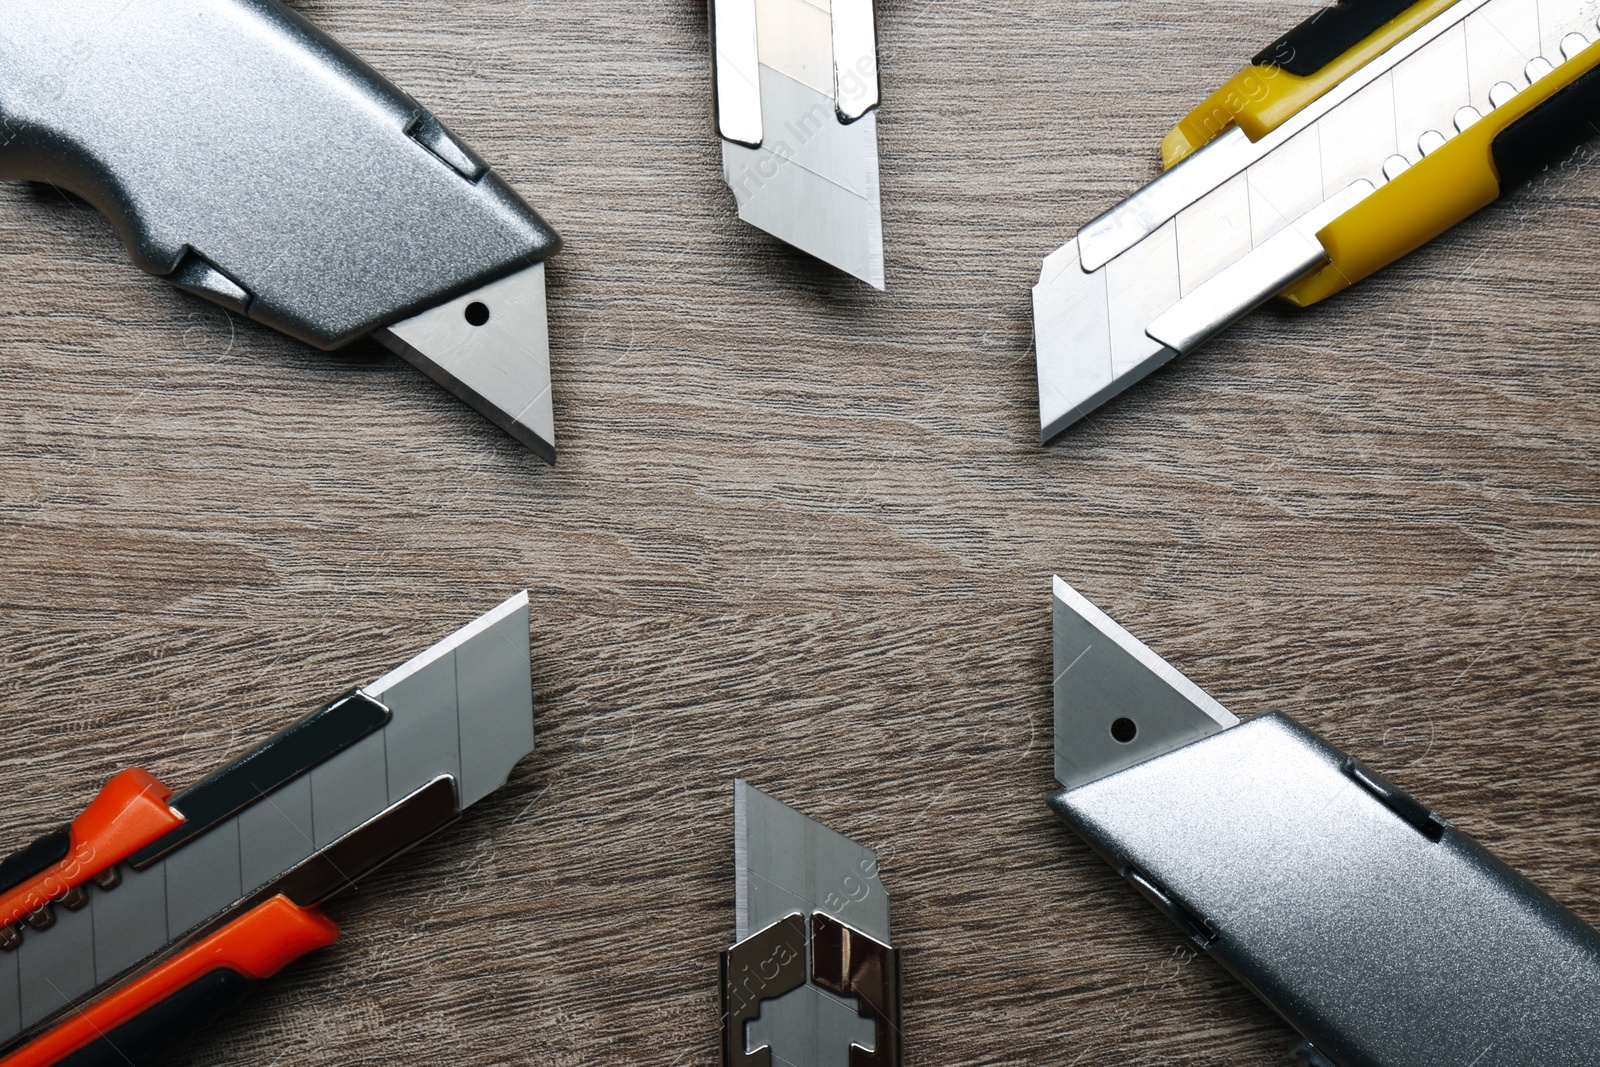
130	812
258	944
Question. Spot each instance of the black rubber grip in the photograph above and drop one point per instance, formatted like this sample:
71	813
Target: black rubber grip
1548	134
1329	34
319	736
26	862
144	1039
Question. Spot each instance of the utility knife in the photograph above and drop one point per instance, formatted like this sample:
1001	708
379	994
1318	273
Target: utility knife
1356	138
1379	931
247	157
812	980
796	101
151	912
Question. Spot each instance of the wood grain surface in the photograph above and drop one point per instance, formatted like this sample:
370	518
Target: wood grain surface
802	533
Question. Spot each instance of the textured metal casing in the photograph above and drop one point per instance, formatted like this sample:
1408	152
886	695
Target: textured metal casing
249	158
1385	948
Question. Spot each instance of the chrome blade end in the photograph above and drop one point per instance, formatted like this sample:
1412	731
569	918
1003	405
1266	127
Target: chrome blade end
1077	367
785	862
484	670
812	946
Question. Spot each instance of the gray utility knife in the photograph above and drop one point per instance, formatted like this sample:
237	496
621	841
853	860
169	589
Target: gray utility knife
151	912
1384	935
813	980
797	97
247	157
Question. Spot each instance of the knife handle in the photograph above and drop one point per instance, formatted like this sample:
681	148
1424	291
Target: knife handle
137	1021
1299	68
1540	125
130	812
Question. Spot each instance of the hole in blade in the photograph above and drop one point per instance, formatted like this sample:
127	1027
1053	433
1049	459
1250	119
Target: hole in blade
1124	730
477	313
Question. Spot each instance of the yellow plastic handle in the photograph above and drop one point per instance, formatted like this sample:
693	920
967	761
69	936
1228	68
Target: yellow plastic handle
1445	187
1261	97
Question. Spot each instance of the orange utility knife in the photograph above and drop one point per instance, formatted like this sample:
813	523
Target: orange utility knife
150	912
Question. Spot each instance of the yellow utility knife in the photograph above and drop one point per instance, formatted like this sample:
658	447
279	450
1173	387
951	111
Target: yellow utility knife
1360	135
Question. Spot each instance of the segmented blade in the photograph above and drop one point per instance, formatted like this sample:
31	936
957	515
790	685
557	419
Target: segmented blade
813	183
797	83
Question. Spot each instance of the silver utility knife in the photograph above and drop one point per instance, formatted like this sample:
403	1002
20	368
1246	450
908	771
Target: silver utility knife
247	157
1384	935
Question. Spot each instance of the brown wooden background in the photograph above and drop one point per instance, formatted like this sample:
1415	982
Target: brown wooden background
802	532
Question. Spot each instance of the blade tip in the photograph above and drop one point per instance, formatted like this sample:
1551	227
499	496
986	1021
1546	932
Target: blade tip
536	444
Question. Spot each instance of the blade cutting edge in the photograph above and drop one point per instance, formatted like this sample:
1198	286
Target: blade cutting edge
785	862
477	626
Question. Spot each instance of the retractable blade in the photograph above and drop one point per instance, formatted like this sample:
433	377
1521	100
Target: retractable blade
1379	931
812	980
151	911
1116	702
248	158
1355	139
797	97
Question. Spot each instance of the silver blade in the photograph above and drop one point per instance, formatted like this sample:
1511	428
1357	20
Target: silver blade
785	863
464	708
480	677
491	348
1110	686
1218	212
813	183
806	169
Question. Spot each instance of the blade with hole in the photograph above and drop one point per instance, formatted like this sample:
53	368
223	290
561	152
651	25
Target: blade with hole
1117	703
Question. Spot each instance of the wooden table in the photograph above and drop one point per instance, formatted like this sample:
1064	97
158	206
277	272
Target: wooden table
802	533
